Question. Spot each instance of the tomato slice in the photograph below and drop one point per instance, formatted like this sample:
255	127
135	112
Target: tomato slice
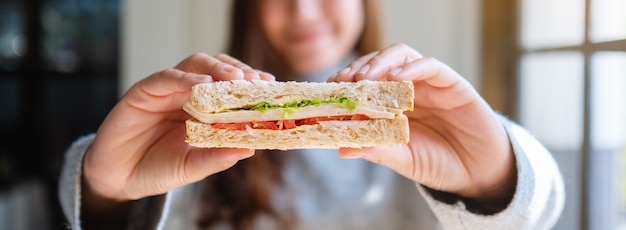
359	117
316	120
287	124
331	118
306	121
264	125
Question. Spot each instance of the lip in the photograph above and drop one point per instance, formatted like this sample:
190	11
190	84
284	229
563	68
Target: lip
305	36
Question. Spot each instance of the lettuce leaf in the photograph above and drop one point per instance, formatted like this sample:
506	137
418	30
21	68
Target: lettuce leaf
344	102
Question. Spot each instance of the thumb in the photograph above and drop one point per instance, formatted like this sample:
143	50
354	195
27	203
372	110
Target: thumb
202	162
398	158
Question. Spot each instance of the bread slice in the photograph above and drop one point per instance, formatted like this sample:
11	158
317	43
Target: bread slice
239	93
355	134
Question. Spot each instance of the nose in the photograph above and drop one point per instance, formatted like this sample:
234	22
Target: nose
306	10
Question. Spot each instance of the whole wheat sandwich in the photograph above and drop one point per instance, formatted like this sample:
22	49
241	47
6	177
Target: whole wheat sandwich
298	115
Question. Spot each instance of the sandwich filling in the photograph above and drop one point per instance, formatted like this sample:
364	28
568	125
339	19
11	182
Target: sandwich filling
287	124
334	111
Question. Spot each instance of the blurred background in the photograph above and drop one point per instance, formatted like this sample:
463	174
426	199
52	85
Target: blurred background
556	66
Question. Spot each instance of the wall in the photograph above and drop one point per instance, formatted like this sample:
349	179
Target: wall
159	34
448	30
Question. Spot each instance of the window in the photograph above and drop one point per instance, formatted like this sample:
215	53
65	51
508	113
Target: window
561	65
58	80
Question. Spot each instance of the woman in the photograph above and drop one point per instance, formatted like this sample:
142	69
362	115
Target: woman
471	167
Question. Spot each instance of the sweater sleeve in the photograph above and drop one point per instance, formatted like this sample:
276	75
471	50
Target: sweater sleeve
146	213
539	195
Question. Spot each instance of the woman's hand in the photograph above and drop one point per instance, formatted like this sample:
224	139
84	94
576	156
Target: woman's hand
140	148
457	144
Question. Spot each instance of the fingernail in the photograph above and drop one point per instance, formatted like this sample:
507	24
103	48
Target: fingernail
345	70
247	70
203	78
395	71
265	75
228	69
365	68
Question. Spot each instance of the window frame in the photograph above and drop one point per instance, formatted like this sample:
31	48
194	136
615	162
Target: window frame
502	52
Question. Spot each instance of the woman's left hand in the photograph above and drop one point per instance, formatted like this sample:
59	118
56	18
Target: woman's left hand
457	143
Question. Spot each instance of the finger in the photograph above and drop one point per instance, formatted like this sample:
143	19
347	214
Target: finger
231	60
249	73
339	75
205	64
398	158
347	74
164	91
436	83
203	162
171	81
427	69
386	60
332	78
266	76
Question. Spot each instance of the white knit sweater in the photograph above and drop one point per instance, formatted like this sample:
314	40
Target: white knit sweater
334	193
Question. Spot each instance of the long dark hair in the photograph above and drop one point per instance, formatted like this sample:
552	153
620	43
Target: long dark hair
237	195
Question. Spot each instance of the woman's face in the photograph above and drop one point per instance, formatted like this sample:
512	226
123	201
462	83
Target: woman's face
312	35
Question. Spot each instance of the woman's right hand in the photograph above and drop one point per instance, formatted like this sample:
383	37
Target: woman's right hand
140	149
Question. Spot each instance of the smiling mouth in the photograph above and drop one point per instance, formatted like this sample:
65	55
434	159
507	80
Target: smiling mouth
306	35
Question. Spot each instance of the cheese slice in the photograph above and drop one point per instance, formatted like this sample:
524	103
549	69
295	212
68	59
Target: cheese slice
373	112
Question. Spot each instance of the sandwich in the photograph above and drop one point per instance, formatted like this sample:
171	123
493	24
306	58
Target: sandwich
298	115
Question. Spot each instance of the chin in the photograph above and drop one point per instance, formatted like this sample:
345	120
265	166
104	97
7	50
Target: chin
307	64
